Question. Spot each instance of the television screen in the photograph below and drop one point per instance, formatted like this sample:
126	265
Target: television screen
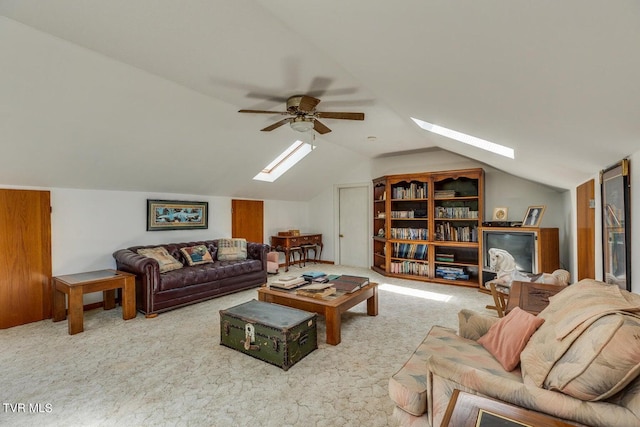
521	246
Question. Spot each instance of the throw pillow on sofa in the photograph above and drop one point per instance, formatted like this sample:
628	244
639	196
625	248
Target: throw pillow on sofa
506	338
196	255
164	258
232	249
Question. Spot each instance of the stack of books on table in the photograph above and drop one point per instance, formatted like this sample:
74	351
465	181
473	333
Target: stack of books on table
315	276
316	290
288	282
347	283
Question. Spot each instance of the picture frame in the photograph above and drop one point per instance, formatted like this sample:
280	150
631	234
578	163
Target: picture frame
500	214
533	217
616	231
470	410
177	215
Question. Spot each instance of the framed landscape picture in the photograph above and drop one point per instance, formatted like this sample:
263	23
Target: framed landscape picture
176	215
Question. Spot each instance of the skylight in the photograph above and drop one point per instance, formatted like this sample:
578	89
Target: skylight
285	161
467	139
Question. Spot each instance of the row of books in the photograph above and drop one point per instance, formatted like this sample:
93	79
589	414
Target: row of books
447	231
452	273
445	257
461	212
410	250
409	214
443	194
409	267
415	190
410	233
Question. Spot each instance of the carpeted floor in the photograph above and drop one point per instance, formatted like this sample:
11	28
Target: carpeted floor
172	370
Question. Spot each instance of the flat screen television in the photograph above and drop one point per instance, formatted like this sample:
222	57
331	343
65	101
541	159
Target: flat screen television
520	244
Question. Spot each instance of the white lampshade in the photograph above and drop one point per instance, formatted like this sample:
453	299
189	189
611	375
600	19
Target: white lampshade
302	124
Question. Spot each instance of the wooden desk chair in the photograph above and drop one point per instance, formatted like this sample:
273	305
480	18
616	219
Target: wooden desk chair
292	253
311	247
500	299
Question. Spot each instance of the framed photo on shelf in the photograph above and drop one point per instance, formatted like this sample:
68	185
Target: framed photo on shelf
533	217
500	214
176	215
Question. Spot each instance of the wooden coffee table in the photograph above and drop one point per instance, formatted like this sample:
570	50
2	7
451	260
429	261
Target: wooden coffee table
330	307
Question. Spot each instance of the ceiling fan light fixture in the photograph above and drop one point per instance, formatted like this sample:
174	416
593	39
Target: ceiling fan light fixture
301	124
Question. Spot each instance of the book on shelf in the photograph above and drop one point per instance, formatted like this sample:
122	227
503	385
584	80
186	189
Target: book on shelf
349	283
288	282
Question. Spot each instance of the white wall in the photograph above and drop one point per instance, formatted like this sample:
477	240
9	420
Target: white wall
87	226
501	190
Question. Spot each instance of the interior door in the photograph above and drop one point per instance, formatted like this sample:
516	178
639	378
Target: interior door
586	223
353	226
247	220
25	265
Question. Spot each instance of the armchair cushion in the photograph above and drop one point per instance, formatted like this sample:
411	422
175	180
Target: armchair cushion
566	355
507	337
472	325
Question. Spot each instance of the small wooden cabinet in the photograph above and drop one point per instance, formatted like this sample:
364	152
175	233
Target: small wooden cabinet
426	225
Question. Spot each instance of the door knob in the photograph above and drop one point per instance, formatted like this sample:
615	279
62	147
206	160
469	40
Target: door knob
342	235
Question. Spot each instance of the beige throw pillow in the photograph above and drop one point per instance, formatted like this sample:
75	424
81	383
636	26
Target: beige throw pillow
160	254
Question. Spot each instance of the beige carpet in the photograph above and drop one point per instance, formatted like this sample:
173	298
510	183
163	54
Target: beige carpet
172	370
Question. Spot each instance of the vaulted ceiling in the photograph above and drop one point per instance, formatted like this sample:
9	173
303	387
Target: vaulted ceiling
143	95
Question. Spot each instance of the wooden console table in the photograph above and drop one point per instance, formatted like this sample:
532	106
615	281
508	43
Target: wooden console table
285	243
76	285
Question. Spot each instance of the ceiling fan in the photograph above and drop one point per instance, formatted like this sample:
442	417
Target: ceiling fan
304	116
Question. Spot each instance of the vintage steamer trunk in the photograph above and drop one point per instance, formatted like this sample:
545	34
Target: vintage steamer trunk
270	332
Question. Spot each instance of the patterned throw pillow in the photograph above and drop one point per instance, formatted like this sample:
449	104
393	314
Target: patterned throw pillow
160	254
232	249
197	254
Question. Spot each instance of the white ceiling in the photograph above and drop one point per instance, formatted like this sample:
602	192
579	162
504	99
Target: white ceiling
143	95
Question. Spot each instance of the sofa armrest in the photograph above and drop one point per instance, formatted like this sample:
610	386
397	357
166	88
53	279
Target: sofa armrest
258	251
472	325
147	270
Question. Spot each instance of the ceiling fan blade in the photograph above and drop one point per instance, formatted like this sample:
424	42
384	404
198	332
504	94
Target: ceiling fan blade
320	128
344	116
263	112
307	103
276	125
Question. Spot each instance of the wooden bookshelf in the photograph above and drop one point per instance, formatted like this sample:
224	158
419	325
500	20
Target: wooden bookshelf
426	226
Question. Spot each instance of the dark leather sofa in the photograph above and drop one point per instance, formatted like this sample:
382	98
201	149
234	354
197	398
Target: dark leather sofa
156	292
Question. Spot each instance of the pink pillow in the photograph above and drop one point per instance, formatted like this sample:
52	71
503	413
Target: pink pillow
506	338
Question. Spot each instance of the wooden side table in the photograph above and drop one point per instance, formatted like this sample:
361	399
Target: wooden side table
531	297
470	410
76	285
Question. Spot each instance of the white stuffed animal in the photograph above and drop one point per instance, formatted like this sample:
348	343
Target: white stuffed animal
503	263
